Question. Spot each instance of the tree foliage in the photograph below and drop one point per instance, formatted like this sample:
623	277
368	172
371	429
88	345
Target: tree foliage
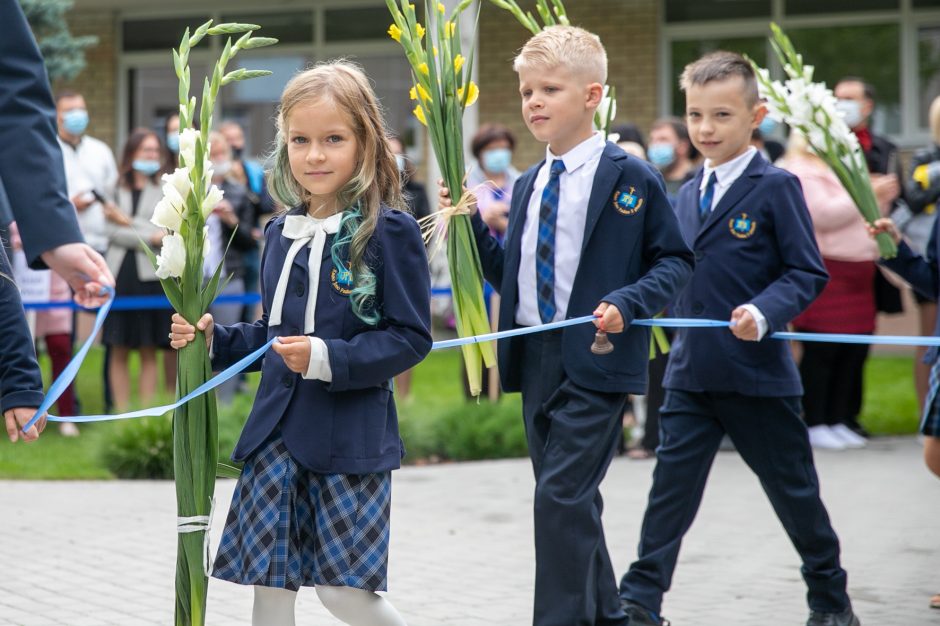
63	53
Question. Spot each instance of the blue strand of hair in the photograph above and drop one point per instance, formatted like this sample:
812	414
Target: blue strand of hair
362	296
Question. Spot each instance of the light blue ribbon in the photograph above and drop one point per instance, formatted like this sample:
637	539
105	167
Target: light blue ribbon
71	370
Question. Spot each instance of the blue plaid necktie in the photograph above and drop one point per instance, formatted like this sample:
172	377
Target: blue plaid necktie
705	204
545	247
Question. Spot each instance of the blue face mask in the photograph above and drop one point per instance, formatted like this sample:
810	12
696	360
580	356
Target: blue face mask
661	154
767	125
75	121
497	160
173	142
147	167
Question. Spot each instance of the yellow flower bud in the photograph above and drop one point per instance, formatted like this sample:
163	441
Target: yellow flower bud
458	63
419	113
413	94
394	32
420	30
440	7
423	68
449	29
472	96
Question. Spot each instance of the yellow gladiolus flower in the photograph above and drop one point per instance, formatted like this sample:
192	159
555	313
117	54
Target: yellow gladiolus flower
413	94
435	50
394	32
419	113
420	30
424	93
458	62
471	96
441	8
449	29
423	68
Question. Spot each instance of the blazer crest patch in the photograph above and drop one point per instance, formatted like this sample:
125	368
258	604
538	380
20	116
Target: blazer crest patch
341	279
627	202
742	226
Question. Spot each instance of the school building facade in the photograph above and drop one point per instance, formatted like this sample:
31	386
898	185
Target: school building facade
129	81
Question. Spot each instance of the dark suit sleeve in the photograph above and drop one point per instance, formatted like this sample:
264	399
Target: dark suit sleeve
20	379
403	337
803	275
232	343
923	274
31	165
666	256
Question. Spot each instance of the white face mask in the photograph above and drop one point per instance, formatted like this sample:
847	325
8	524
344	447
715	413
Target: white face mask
221	168
851	112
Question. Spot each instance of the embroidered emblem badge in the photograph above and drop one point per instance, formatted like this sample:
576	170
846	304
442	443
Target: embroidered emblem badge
627	203
341	279
742	227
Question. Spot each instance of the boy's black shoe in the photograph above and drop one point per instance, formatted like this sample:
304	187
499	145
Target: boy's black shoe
640	616
845	618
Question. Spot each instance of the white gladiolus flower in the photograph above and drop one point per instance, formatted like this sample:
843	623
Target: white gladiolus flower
172	259
212	200
188	146
180	180
165	215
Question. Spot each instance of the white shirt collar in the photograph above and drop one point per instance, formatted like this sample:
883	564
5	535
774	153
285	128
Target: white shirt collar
729	171
588	149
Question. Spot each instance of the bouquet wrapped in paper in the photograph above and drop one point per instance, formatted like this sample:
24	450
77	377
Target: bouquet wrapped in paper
442	91
188	198
811	109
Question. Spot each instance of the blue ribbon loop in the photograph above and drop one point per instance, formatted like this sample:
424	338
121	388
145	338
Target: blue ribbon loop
71	370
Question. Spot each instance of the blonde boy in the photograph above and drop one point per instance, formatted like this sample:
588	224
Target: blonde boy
590	231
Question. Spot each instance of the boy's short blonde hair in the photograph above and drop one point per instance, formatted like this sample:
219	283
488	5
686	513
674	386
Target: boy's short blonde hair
570	47
721	65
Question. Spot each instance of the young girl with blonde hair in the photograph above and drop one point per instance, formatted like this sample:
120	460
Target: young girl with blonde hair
345	289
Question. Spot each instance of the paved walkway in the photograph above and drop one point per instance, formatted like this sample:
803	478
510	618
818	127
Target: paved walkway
102	553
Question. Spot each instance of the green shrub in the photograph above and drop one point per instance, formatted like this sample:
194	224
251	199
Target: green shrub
483	431
140	448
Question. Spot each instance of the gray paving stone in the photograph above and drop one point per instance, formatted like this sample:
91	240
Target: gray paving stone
100	553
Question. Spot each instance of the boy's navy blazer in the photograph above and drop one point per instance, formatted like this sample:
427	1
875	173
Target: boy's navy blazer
757	246
632	256
350	425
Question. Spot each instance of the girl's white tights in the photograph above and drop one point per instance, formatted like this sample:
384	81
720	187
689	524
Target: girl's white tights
356	607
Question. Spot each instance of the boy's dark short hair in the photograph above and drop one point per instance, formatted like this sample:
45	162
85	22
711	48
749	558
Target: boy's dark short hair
721	65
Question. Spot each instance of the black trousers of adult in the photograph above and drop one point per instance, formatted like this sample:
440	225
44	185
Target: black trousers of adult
773	441
833	377
572	434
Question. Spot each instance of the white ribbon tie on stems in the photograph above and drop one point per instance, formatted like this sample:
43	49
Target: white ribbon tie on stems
304	230
196	524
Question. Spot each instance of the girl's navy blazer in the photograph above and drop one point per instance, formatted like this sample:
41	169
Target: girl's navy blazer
350	425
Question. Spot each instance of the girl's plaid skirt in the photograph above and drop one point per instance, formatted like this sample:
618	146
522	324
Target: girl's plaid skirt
289	527
930	425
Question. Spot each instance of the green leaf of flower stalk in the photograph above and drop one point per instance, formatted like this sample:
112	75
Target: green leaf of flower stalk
560	12
544	13
232	28
185	46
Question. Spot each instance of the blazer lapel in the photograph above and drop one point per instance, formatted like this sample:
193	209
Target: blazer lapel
739	189
605	179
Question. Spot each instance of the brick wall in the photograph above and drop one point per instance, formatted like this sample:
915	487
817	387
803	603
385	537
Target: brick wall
98	80
629	30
